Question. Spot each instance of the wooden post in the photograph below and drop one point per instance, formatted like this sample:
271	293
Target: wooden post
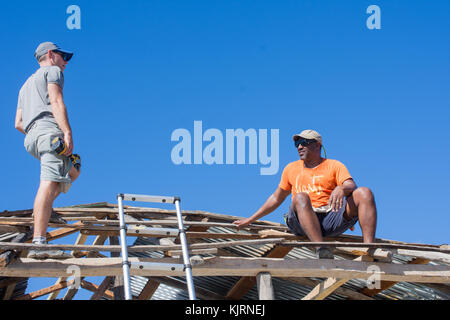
117	288
265	287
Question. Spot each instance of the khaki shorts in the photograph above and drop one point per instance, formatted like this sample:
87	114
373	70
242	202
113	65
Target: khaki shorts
54	167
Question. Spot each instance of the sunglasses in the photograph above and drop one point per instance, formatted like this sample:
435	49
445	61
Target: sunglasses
304	142
63	55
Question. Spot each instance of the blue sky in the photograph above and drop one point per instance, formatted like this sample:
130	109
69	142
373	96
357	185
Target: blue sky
142	69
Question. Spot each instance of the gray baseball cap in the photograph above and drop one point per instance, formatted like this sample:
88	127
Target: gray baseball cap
45	46
308	134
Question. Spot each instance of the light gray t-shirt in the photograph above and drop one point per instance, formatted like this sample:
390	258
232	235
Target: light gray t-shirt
33	96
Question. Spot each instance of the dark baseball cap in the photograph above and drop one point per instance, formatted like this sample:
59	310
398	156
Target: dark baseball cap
45	46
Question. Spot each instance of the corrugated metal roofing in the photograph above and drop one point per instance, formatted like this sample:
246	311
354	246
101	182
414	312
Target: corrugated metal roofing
283	289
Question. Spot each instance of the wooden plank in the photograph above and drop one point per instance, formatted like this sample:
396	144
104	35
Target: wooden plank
94	288
194	226
81	239
98	294
431	256
149	289
379	254
9	281
43	292
22	246
62	232
245	284
118	286
226	266
142	248
177	253
265	287
9	291
350	294
325	288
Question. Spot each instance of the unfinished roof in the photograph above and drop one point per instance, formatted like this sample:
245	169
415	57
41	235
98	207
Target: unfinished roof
227	264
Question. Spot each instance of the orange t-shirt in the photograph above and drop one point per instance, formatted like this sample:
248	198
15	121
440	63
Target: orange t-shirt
318	182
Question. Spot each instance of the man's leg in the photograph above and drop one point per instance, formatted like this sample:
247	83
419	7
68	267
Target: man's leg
361	204
43	206
307	217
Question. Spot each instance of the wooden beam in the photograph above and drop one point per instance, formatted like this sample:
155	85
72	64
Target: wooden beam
118	285
9	291
227	266
62	232
350	294
325	288
43	292
149	289
379	254
265	287
98	294
94	288
9	281
143	248
245	284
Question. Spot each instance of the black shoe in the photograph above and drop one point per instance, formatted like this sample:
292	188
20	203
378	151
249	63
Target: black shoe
324	253
55	218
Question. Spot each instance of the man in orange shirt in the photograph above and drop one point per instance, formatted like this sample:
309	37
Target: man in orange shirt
325	199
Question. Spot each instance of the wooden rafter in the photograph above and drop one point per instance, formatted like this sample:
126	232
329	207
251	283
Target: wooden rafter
245	284
271	264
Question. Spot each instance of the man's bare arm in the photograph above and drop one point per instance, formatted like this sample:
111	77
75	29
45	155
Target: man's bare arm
336	200
273	202
18	123
59	111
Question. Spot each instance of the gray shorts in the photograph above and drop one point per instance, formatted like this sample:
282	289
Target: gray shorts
54	167
332	223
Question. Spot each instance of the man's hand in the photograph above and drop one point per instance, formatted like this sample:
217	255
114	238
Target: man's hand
336	200
242	223
69	143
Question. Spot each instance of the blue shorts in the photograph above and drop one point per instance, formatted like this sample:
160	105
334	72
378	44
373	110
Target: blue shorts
332	223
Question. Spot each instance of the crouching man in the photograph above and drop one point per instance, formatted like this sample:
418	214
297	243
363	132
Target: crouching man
325	199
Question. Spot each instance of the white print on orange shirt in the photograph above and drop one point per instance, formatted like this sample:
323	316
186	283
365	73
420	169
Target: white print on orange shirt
308	189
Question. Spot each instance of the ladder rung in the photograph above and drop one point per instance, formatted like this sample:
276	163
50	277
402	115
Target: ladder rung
157	266
171	232
145	198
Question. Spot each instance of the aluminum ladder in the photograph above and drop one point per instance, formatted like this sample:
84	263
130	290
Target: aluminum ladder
124	230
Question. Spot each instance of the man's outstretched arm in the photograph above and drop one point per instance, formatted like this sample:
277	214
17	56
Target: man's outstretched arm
273	202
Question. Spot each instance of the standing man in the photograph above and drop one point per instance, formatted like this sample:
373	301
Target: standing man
42	117
325	199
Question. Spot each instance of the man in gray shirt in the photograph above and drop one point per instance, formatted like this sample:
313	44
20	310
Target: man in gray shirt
42	117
